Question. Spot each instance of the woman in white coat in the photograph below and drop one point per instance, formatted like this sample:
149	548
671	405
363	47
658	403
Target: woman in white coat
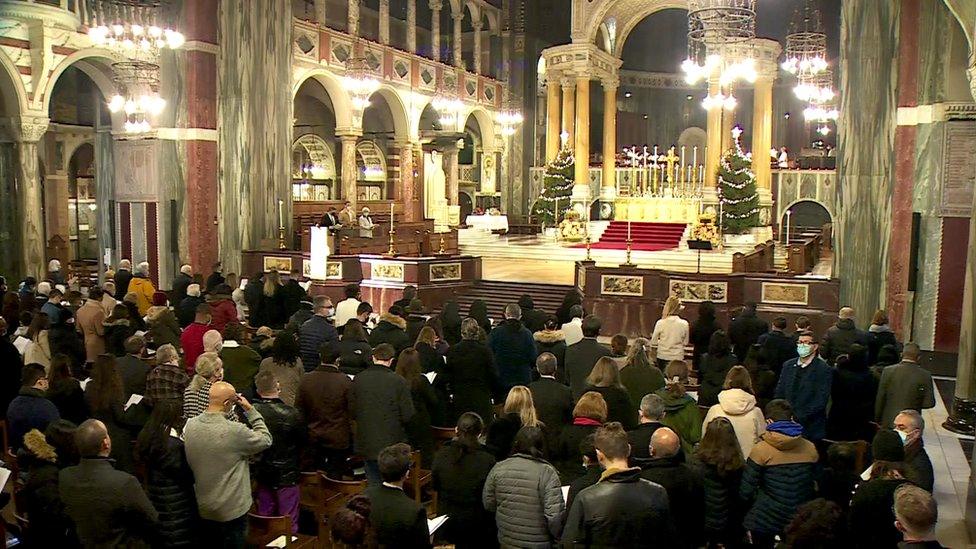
670	333
737	403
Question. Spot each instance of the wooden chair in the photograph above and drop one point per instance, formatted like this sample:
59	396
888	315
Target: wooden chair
417	478
263	530
442	435
10	459
338	492
312	497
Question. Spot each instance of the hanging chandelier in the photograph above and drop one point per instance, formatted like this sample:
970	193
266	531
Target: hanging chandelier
509	118
129	28
806	44
818	89
448	105
719	33
138	95
359	80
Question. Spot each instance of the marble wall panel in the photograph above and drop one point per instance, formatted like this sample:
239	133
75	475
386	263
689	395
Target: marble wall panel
254	112
105	193
927	195
866	129
10	240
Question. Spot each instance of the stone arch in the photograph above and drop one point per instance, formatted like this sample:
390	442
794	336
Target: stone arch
337	94
398	110
485	124
14	96
692	137
627	14
94	63
809	208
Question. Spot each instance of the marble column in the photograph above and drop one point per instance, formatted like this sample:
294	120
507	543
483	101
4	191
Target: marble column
384	22
608	184
412	26
349	174
762	132
582	140
477	47
728	121
713	147
408	183
451	173
105	193
10	225
962	414
255	124
865	145
552	117
352	26
435	30
26	133
320	11
458	50
569	111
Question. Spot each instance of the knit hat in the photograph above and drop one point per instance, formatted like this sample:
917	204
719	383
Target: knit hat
887	446
159	299
265	331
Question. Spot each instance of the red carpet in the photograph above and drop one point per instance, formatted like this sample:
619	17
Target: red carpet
646	237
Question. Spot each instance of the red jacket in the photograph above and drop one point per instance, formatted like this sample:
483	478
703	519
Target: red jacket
192	341
222	313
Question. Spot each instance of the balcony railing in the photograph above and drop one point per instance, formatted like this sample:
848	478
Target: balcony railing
68	14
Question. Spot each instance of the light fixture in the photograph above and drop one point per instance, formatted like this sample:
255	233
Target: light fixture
806	44
509	118
818	113
628	94
359	81
138	97
719	32
824	130
130	29
448	106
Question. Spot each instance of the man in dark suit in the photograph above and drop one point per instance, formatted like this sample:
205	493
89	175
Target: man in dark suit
553	400
330	219
108	507
904	386
841	336
534	319
131	367
684	485
777	347
650	414
581	356
383	406
123	275
805	382
746	329
397	519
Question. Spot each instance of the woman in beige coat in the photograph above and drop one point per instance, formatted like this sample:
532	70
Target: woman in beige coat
737	403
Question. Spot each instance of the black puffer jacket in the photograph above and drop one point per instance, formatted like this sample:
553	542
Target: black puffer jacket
278	466
622	510
839	339
170	489
49	524
391	329
723	510
779	477
712	371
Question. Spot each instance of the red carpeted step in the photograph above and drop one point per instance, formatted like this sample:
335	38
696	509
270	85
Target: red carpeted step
645	236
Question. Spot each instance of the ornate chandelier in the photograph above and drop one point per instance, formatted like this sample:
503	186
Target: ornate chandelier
138	97
806	44
129	29
360	81
509	118
719	32
448	105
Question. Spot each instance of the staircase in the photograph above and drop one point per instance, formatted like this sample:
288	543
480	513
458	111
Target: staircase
646	237
497	294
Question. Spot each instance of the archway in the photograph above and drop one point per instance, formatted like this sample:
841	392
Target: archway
315	124
806	214
13	98
384	124
82	207
625	14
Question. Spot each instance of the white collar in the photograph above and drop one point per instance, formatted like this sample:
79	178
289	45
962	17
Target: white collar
394	486
547	377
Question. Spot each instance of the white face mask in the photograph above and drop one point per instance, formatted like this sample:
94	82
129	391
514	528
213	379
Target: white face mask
903	435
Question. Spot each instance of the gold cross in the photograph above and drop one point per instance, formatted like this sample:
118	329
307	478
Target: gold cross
671	158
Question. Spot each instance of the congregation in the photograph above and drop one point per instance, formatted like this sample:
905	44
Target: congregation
141	418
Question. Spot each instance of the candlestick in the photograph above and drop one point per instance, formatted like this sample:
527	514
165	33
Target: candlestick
694	156
281	219
391	215
788	227
628	230
682	157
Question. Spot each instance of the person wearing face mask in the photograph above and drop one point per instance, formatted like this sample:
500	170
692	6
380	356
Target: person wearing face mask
218	452
805	382
909	425
316	332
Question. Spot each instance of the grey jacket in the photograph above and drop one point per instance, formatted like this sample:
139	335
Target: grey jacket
903	386
525	495
217	450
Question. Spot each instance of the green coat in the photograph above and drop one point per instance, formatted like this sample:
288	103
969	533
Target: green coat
241	364
682	416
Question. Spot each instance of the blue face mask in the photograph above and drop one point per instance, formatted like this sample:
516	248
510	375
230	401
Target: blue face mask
804	349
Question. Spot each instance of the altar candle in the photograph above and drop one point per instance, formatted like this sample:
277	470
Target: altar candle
694	156
682	157
281	219
788	213
628	229
391	215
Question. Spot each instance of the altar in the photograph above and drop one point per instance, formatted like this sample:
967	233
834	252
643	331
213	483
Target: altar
664	209
487	222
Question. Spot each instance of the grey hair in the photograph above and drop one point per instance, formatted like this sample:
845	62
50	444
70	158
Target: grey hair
212	341
143	268
652	407
125	264
470	328
917	418
166	354
512	310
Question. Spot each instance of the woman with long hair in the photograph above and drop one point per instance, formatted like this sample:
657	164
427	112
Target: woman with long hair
871	507
604	378
518	412
354	348
459	472
105	398
286	365
528	512
196	397
879	335
39	349
425	404
430	359
681	410
169	480
737	403
640	376
702	329
720	463
670	333
714	366
451	321
589	414
571	298
479	311
65	392
440	343
269	310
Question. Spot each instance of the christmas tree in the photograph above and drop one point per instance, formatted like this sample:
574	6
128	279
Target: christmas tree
737	189
557	187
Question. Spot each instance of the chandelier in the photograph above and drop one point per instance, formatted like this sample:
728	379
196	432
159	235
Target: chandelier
138	94
817	90
129	29
719	34
360	81
509	118
448	105
806	44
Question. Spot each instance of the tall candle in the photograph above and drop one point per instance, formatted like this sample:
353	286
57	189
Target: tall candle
788	227
391	215
682	157
694	156
628	229
281	218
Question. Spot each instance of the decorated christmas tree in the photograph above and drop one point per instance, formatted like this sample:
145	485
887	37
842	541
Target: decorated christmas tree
737	189
557	187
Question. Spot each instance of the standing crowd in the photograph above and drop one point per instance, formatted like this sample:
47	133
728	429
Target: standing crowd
142	418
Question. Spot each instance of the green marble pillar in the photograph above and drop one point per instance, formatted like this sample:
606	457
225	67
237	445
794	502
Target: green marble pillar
254	111
9	225
105	194
865	140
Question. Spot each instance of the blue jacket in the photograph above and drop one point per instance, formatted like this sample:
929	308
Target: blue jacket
29	410
513	347
808	395
314	333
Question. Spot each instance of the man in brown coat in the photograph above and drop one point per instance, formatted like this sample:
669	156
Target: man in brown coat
90	318
325	399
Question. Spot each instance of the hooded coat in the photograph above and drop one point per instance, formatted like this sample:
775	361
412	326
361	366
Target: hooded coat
740	409
390	329
144	290
554	342
683	417
778	478
49	524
